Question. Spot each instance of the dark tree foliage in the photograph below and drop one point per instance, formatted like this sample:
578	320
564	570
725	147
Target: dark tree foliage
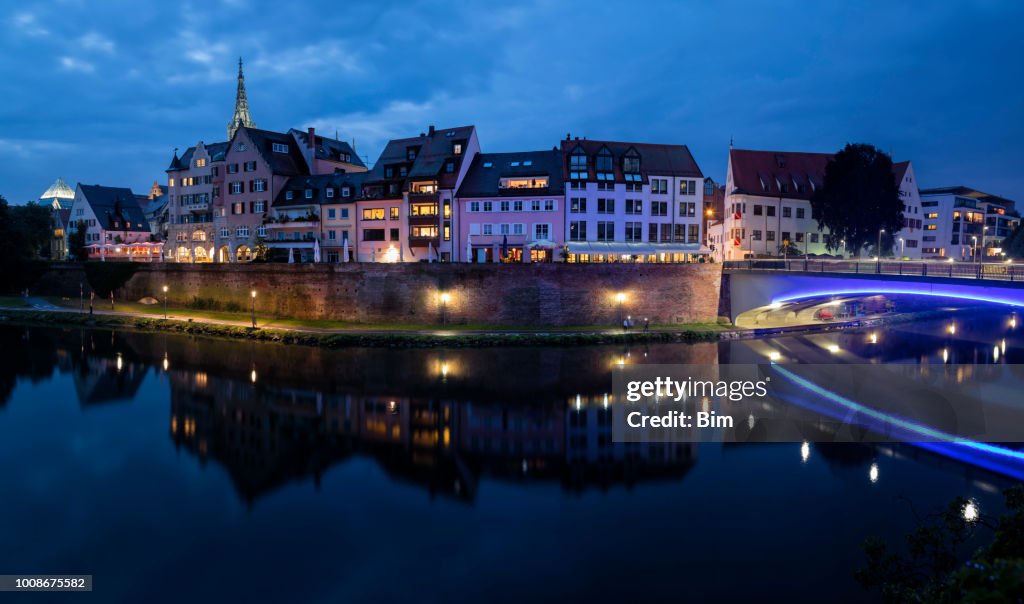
1013	245
106	277
76	241
32	221
934	568
859	197
19	246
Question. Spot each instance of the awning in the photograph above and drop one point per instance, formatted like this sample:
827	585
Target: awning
634	249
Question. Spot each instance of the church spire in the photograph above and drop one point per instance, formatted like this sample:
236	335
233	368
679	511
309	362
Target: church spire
241	116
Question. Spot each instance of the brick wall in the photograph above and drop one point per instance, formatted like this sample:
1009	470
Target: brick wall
524	294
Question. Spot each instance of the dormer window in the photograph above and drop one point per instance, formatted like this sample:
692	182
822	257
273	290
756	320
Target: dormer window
487	164
389	172
346	192
241	147
456	148
330	192
528	162
289	195
309	193
631	164
514	164
403	171
578	164
604	161
201	162
411	153
279	147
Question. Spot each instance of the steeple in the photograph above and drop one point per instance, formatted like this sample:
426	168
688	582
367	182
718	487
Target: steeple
241	116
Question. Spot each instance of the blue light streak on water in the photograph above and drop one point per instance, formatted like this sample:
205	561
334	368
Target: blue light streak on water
927	289
992	457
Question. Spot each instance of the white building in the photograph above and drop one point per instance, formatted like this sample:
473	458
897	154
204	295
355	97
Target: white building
767	203
114	224
961	222
632	201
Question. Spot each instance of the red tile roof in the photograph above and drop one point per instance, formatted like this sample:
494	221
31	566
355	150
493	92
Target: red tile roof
786	174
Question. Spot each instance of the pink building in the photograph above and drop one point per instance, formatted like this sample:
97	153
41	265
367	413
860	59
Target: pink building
511	208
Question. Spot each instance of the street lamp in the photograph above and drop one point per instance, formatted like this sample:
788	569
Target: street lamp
253	309
165	302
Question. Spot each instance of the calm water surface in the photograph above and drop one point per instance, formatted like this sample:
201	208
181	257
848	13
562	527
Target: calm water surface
176	468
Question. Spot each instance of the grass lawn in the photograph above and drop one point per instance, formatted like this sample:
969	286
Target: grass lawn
15	301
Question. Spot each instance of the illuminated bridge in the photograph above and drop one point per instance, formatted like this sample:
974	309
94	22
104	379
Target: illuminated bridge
754	288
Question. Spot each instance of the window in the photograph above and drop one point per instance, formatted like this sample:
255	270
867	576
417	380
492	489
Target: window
659	185
693	233
344	212
578	165
578	205
800	237
331	213
232	168
474	206
423	209
373	214
236	188
659	208
578	230
709	188
605	231
770	236
410	153
259	185
687	187
634	231
504	206
770	210
289	195
549	205
456	148
688	209
393	213
535	205
488	229
755	235
224	233
279	147
373	235
785	237
631	165
758	209
800	212
242	232
238	207
603	164
428	231
488	206
605	206
787	212
250	166
261	231
329	192
814	238
308	193
634	206
393	234
260	206
541	232
517	206
346	192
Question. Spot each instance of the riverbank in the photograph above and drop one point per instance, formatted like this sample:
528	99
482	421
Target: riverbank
412	336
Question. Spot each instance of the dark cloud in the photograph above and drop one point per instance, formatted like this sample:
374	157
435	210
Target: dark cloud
103	92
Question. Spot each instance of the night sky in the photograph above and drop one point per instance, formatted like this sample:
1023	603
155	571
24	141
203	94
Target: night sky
104	92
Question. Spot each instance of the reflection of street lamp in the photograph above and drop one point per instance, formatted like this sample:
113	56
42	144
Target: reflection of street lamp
903	247
879	250
620	298
165	302
253	309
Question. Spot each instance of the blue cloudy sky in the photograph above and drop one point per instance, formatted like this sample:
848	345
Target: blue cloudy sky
103	92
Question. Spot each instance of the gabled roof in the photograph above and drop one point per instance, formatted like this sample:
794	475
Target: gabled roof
216	152
434	148
329	149
319	184
785	174
286	164
485	173
58	190
655	159
115	205
63	216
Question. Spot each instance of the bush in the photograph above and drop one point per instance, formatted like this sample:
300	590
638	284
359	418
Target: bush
198	303
233	306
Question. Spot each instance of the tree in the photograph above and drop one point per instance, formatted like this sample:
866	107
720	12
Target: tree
34	226
76	241
1013	245
934	568
858	198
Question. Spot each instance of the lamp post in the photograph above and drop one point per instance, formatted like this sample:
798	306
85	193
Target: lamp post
165	302
253	309
878	249
707	226
974	248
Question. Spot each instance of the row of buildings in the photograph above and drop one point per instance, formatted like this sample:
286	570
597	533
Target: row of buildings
301	196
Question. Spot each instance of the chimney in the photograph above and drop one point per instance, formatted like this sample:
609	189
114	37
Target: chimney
312	137
431	130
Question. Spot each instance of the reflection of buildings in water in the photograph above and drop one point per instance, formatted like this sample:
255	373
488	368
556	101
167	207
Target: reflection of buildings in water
104	380
593	457
268	436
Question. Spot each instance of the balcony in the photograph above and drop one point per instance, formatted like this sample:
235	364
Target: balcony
307	221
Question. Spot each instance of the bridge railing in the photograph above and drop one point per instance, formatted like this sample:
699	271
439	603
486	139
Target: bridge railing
997	271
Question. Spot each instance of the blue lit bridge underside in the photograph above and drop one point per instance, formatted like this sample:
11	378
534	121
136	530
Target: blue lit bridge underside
753	289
